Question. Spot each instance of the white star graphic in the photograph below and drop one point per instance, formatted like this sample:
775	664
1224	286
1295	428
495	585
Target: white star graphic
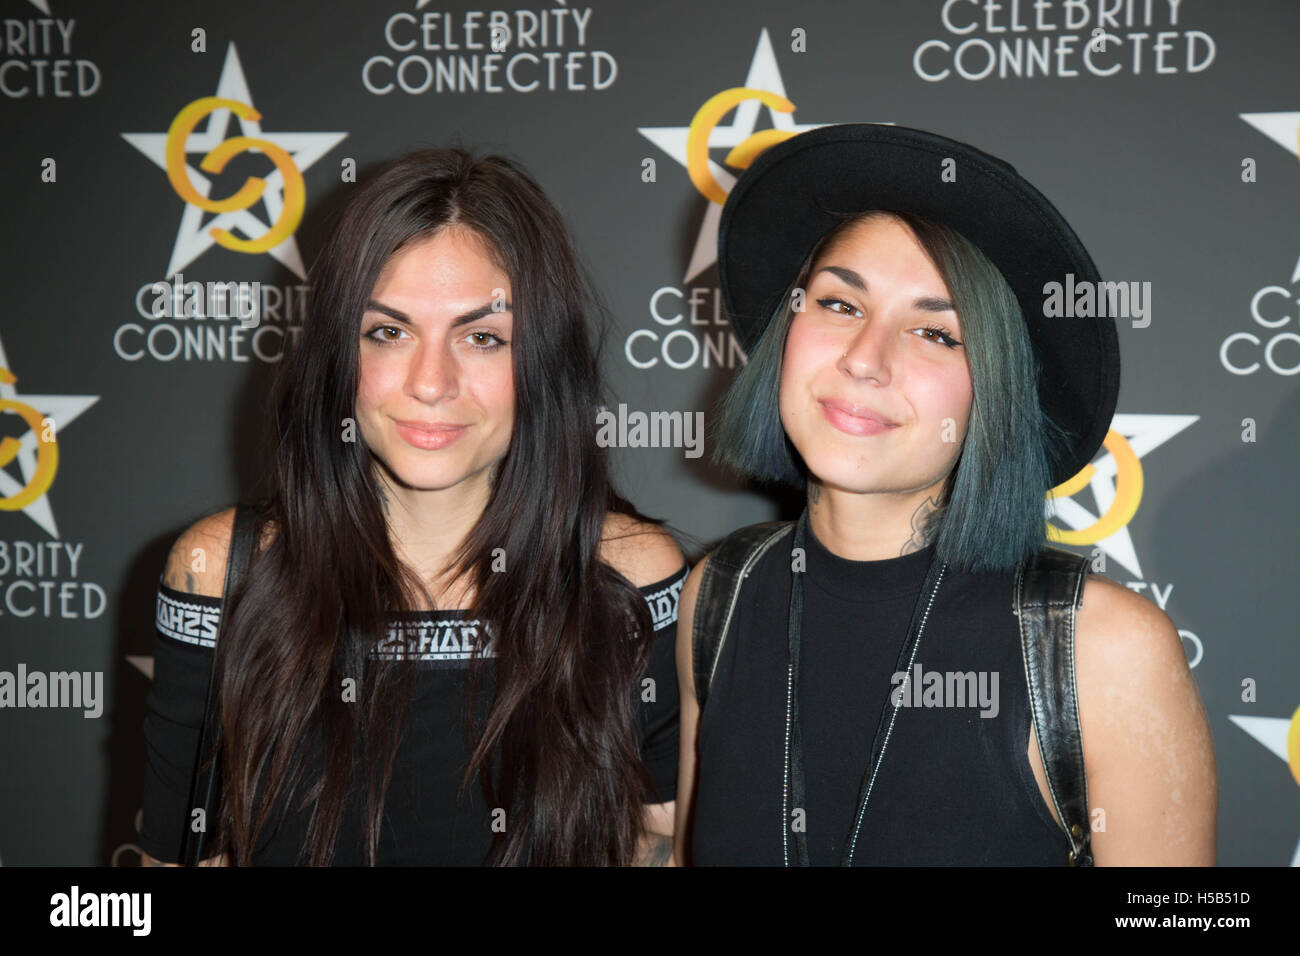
193	237
1283	129
763	75
142	662
61	409
1144	433
1272	733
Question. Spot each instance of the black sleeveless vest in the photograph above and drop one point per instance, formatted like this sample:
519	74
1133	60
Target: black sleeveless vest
955	786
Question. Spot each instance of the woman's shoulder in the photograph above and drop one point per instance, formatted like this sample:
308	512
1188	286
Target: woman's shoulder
1131	669
641	551
196	563
1113	619
1148	746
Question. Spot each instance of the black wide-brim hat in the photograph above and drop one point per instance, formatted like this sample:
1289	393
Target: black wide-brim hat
797	190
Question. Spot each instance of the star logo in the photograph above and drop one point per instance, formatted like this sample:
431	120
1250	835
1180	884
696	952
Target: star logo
763	75
142	662
194	237
62	410
1131	438
1283	129
1282	737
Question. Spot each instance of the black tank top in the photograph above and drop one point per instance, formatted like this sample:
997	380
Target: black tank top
427	819
954	788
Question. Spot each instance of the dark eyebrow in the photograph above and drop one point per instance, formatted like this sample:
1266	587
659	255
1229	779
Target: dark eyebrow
925	303
465	319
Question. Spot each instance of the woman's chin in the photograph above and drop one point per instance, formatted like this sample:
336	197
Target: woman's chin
835	471
425	477
868	478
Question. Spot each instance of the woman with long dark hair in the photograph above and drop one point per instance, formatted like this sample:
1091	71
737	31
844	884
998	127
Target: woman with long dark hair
445	648
907	675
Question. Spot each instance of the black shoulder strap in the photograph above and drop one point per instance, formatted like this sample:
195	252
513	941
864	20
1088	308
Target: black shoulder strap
1048	592
728	565
204	786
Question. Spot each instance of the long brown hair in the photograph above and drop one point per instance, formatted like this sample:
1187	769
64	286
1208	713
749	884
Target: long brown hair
558	750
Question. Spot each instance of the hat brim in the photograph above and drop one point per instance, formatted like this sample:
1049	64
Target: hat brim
797	190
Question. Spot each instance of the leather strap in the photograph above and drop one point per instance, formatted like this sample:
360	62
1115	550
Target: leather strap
715	603
204	786
1047	595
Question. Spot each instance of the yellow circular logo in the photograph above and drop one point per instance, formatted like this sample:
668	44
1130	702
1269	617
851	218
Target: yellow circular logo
47	450
1128	494
295	192
1293	745
701	128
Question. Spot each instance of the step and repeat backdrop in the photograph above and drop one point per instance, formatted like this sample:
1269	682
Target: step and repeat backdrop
1166	131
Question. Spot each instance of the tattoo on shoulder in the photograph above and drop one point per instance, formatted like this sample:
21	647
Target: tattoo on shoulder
656	852
179	576
920	520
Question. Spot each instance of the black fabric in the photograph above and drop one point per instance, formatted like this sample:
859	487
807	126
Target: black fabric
206	783
953	788
426	819
715	601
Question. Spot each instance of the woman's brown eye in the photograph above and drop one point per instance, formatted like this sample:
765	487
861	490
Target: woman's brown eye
377	334
485	341
832	304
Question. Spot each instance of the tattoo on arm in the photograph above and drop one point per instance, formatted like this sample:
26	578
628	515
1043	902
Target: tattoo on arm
920	518
179	577
655	850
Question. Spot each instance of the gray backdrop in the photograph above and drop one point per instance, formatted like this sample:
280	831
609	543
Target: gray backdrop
1174	157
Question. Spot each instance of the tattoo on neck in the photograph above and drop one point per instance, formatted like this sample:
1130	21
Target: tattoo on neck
920	518
383	498
814	493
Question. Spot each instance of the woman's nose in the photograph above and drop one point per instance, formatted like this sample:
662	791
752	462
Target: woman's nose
867	354
434	373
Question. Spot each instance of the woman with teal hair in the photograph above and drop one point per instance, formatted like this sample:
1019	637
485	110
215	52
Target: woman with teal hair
907	674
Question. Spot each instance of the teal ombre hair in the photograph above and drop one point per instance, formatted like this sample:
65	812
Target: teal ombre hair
991	514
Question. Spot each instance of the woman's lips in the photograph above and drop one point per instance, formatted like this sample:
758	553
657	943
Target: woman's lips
429	437
854	420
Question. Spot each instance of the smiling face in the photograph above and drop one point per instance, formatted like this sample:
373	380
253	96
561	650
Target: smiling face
870	374
435	400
